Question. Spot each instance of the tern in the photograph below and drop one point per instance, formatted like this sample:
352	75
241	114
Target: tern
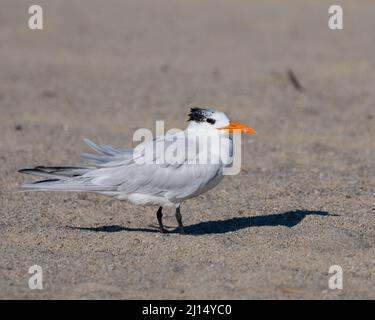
165	181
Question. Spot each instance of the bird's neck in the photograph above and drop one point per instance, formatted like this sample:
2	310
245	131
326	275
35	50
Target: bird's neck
212	141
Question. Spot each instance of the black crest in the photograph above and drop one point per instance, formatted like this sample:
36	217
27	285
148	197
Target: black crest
199	114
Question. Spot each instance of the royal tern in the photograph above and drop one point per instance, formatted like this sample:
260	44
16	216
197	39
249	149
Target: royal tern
166	180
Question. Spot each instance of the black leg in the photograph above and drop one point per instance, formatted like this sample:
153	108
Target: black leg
179	220
159	215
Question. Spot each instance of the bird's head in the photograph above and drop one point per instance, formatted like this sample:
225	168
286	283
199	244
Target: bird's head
211	119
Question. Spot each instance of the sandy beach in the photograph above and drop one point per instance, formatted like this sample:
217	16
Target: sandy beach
304	199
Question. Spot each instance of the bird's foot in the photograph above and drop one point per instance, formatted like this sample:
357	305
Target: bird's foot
162	230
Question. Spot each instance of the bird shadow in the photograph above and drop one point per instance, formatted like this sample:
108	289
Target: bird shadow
287	219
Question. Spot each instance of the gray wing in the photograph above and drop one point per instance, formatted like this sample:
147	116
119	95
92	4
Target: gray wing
178	179
157	180
120	172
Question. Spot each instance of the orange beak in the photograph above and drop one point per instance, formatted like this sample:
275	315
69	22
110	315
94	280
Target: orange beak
233	126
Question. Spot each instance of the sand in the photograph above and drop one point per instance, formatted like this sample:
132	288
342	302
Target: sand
304	200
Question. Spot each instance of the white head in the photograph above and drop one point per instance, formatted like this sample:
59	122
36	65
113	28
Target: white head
211	119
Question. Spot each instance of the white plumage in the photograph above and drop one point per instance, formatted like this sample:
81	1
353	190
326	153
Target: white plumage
154	173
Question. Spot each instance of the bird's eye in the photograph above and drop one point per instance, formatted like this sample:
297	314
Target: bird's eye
211	121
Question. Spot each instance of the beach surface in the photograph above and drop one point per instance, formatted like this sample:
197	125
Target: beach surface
303	202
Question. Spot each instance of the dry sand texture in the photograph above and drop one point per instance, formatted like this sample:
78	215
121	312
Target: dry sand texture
304	200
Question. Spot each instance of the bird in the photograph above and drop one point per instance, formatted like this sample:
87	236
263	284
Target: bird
165	180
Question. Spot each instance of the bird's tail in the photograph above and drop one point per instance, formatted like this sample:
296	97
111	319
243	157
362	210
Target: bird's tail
56	172
60	179
75	178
